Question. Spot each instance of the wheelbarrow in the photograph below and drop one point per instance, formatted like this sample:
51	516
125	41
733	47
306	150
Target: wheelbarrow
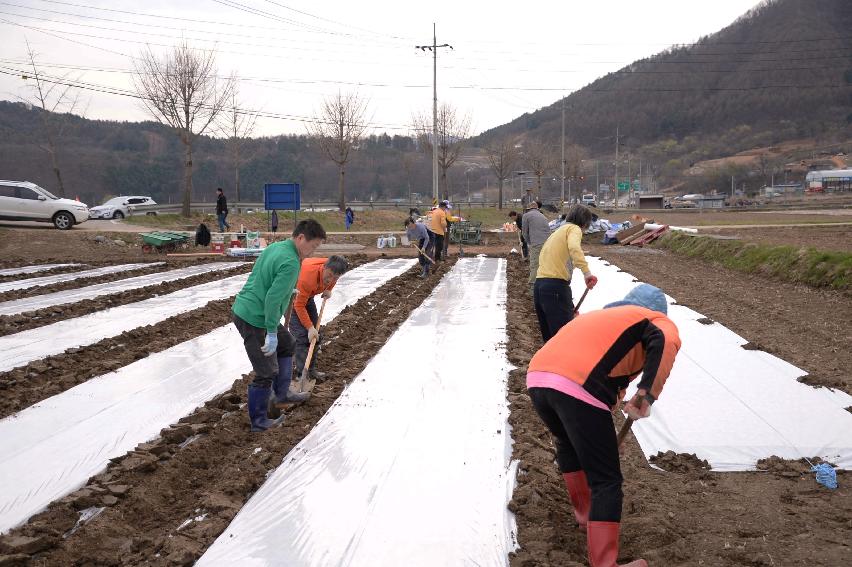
161	242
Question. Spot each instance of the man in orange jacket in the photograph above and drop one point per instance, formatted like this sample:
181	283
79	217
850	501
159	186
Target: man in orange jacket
576	379
318	276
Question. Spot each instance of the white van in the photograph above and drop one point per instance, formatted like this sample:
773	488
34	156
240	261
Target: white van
589	200
25	201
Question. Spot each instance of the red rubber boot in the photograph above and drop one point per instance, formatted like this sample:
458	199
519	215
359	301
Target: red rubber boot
581	496
603	546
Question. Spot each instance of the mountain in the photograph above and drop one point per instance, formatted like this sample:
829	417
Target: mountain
781	72
101	158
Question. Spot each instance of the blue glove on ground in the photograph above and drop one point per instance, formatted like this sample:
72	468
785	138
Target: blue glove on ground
270	346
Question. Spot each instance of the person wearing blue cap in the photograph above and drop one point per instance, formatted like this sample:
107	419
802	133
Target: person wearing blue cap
576	379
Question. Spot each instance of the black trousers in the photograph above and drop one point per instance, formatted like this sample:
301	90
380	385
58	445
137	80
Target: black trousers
265	367
585	440
553	305
525	249
438	245
300	334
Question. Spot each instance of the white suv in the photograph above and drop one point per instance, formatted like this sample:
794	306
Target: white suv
25	201
120	207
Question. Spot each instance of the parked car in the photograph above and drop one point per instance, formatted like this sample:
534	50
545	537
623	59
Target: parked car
589	200
25	201
120	207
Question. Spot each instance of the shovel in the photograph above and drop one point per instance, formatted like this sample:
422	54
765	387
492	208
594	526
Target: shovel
579	303
625	429
304	383
425	255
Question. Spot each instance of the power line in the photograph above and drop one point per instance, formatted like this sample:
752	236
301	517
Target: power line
83	85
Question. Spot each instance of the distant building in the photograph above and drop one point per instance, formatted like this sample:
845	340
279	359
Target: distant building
710	202
831	180
651	201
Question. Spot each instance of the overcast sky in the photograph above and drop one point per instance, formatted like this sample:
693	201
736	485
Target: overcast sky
291	53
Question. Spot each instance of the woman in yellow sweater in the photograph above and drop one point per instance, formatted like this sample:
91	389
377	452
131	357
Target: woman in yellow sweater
560	254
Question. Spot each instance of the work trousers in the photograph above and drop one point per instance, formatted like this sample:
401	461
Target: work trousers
438	245
585	440
533	252
300	335
424	244
525	249
223	221
265	367
553	305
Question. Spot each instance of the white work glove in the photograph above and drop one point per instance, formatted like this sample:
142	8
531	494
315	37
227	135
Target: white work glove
270	345
313	334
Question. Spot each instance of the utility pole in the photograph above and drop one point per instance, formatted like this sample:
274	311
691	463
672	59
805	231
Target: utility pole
597	184
563	157
434	49
616	166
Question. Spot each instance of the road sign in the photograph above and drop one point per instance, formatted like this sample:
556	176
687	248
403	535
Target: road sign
604	188
623	185
282	196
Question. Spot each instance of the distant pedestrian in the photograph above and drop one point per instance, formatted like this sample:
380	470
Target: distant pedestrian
536	231
561	253
222	210
450	221
274	222
528	199
350	217
257	311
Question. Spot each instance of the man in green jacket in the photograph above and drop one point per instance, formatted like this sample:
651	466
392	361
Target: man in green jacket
258	309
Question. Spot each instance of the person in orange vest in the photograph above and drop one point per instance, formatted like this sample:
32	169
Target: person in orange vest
318	276
438	226
576	379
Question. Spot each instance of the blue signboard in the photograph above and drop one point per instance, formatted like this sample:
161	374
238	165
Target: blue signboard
282	196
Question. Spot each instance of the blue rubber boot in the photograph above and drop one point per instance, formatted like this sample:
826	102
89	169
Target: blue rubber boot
283	395
258	400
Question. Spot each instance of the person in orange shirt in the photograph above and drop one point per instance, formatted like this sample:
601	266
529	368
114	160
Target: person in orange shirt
318	276
438	226
576	379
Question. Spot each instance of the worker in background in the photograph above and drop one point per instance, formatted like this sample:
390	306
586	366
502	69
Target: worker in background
419	236
349	217
438	226
535	232
528	198
560	254
576	379
257	311
519	222
450	220
317	278
222	210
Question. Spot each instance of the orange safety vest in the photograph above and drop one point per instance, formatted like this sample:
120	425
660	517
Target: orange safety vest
604	350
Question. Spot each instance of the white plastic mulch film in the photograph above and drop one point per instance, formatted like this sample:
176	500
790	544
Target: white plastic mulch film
109	288
53	447
59	278
24	347
726	404
411	465
34	269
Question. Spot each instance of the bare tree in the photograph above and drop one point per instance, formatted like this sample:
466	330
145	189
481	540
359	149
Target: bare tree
539	158
181	90
407	159
57	100
453	131
239	126
338	127
502	156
